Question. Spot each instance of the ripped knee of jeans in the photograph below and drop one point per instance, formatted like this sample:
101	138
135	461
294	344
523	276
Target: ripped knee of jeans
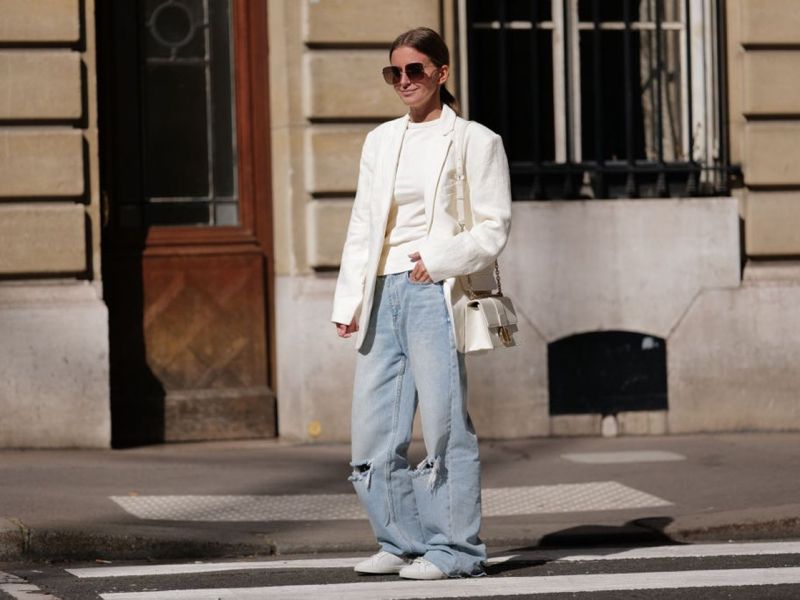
362	471
432	468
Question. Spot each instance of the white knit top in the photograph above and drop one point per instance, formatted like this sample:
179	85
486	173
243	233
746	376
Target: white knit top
407	224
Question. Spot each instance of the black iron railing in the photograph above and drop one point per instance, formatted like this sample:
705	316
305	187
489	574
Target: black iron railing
603	98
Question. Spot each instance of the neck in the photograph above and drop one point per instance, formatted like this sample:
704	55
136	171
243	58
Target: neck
430	112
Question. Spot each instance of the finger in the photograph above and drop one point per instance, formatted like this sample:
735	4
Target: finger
414	256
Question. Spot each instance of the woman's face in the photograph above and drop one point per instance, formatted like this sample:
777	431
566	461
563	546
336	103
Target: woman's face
425	92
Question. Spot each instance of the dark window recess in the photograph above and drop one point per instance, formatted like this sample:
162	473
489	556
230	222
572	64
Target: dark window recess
607	372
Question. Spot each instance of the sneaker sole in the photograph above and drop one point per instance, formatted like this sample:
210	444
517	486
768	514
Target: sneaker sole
423	578
378	571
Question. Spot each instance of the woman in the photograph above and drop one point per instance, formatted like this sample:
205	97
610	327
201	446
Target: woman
398	290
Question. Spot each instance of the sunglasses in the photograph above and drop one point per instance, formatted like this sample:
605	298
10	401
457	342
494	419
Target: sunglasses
414	71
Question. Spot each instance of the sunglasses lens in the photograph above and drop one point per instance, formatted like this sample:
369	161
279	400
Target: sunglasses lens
415	71
391	75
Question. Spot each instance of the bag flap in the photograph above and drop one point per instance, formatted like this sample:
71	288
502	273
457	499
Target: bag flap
497	310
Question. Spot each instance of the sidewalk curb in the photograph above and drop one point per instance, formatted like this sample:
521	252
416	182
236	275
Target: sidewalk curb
774	522
19	544
12	539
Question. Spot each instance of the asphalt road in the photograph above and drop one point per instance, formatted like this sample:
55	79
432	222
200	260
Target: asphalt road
734	571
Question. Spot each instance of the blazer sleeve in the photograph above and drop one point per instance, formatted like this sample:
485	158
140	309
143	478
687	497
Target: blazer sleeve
350	284
489	201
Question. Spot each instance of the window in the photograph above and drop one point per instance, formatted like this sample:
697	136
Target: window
188	116
601	98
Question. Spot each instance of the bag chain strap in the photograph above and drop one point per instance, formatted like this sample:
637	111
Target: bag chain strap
460	179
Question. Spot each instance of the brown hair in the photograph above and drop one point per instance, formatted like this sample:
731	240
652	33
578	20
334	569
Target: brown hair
431	44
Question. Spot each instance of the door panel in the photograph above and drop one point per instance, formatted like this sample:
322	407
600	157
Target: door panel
200	315
187	247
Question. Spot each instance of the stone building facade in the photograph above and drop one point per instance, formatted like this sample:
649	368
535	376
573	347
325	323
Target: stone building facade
54	388
225	317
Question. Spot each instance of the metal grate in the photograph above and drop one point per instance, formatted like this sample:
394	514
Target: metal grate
603	98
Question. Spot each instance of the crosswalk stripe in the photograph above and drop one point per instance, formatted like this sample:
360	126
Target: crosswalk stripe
179	569
682	551
565	555
19	589
494	586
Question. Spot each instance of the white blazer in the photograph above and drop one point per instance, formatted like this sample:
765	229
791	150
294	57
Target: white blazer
446	251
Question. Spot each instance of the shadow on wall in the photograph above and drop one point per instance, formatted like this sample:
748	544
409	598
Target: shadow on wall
137	395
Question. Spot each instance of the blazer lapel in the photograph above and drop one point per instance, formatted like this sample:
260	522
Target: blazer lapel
438	159
387	169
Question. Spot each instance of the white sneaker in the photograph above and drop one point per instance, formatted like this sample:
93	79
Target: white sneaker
382	563
422	569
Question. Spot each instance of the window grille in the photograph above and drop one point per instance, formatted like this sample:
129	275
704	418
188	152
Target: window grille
188	117
601	98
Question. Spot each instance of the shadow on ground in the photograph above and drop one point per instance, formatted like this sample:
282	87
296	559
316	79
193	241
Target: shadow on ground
591	539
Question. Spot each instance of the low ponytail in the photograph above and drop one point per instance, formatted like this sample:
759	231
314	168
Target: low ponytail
448	98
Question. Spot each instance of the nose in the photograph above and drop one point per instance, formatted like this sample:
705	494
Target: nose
404	80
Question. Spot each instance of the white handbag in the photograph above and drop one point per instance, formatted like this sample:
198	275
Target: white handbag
490	321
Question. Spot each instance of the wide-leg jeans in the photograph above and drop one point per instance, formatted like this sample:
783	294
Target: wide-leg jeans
409	358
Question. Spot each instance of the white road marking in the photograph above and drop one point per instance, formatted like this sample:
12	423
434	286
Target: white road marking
177	569
19	589
565	555
608	458
661	552
496	502
488	586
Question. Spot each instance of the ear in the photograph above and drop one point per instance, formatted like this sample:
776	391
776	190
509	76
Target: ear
444	74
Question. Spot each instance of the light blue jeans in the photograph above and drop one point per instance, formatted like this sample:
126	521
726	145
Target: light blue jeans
409	357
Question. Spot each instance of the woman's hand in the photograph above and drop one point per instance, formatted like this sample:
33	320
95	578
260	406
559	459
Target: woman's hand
345	331
419	273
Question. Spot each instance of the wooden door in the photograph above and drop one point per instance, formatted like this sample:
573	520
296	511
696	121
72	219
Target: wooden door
187	238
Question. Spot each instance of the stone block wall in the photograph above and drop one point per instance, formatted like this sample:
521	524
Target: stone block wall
764	50
54	388
47	136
